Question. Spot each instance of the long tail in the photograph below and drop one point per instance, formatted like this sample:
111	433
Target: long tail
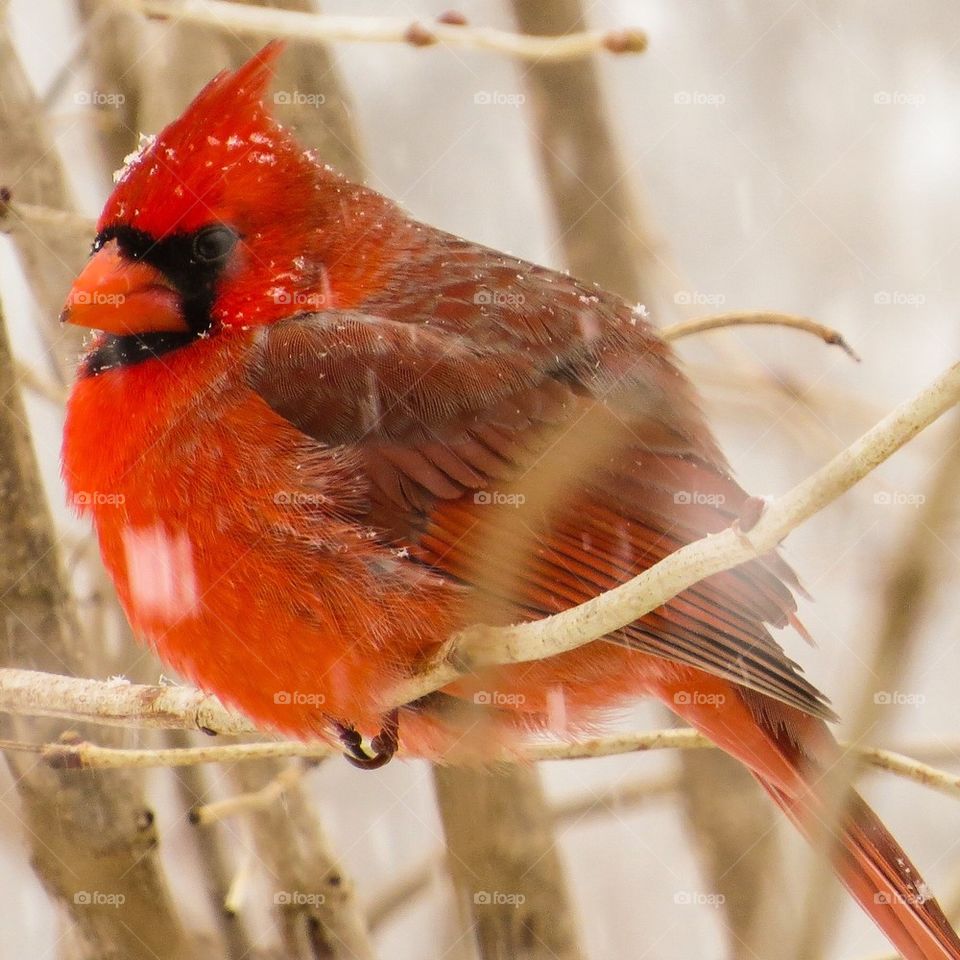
880	876
779	743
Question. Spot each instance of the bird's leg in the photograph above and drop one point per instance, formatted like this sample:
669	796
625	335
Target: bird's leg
384	744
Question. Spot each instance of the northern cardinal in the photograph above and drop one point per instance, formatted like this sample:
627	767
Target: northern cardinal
316	436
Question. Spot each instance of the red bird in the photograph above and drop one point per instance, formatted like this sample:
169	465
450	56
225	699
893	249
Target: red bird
315	437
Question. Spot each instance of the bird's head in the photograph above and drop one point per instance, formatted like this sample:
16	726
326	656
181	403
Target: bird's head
220	220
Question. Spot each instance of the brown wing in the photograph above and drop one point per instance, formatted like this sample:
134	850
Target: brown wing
506	374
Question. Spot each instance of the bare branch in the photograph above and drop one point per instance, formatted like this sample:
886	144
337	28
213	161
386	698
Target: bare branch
321	28
249	802
34	381
483	646
81	754
115	703
15	215
516	852
716	321
49	255
916	567
910	769
573	811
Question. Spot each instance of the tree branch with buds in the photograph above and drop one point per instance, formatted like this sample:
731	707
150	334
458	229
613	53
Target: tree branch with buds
450	29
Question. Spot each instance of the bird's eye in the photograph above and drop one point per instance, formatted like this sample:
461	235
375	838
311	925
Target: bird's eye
214	244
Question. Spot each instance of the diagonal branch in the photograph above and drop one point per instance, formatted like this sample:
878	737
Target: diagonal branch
483	646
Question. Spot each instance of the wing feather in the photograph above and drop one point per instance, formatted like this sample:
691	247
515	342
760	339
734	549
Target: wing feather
444	398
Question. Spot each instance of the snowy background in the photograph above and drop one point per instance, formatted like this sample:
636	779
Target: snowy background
795	156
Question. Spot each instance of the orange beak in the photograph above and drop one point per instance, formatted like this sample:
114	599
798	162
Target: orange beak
123	296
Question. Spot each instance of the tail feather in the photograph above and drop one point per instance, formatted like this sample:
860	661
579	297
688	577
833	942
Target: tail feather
787	750
879	875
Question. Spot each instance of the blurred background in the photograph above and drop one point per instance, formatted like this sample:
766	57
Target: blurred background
797	157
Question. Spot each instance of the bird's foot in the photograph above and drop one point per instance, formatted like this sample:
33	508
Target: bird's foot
384	744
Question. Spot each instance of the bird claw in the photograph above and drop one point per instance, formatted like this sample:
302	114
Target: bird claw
384	744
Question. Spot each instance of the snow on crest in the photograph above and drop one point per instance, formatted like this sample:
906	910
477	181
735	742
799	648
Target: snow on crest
144	143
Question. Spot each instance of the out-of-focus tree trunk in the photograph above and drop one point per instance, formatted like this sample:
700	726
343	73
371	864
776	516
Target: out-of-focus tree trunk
603	234
91	833
319	912
134	52
31	170
606	239
504	861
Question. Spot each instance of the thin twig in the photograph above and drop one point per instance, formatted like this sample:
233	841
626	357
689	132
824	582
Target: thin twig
616	798
239	885
327	29
828	335
571	811
33	216
910	769
90	755
250	802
